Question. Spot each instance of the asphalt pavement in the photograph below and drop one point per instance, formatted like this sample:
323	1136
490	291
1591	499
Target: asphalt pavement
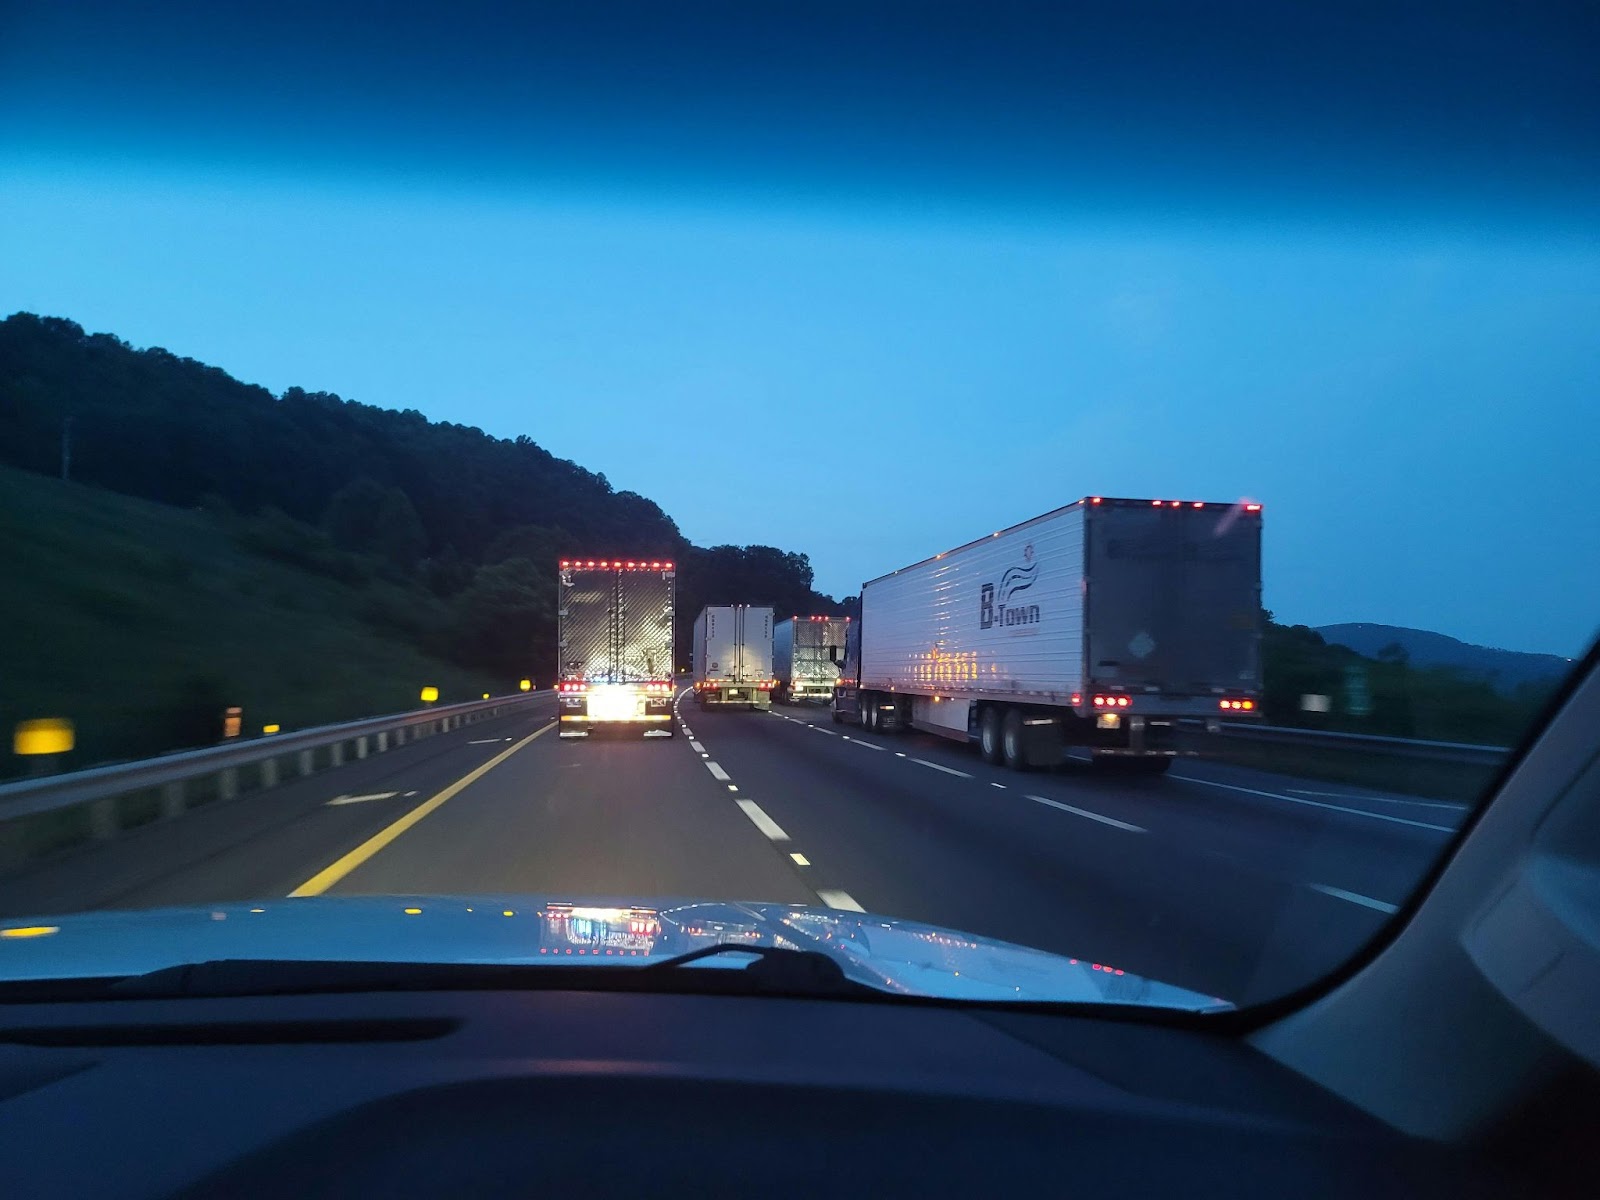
1234	882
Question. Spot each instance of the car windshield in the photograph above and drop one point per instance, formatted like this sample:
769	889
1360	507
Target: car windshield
1027	504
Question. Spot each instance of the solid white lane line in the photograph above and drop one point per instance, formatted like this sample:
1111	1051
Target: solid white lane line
697	747
486	741
800	860
761	821
1456	804
1382	906
717	772
338	800
947	770
837	899
1084	812
1357	812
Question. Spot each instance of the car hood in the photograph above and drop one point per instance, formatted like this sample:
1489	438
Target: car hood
896	956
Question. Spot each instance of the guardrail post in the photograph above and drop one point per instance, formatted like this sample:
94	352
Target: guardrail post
269	772
227	783
400	736
336	754
103	824
383	741
361	747
172	802
306	764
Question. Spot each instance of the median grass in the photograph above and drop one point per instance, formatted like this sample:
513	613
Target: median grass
141	622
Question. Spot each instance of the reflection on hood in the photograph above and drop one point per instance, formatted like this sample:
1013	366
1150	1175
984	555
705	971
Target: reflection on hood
896	956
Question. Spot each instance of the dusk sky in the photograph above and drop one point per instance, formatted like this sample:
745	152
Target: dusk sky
867	289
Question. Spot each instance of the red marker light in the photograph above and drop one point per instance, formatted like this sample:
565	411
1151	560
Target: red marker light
1222	704
1249	704
1094	499
1198	504
1122	702
1157	503
1177	503
1252	508
1077	697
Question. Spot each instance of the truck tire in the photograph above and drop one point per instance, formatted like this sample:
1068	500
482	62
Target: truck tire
870	715
1013	749
989	734
838	717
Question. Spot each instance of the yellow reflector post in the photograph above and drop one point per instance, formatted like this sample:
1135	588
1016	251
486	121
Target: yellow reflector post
429	695
525	684
270	728
49	735
29	931
486	695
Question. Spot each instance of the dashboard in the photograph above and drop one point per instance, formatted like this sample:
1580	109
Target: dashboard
503	1094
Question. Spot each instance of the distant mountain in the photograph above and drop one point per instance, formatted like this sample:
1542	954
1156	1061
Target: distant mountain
1506	669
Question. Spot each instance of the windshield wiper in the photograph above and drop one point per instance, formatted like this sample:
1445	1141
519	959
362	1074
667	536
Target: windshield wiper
777	968
774	971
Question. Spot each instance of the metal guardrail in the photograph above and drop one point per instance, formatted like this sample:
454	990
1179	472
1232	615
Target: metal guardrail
1390	747
178	777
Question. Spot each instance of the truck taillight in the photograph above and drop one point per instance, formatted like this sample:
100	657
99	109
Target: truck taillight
1237	705
574	687
1112	702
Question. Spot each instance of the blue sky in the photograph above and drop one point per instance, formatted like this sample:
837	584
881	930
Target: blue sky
871	367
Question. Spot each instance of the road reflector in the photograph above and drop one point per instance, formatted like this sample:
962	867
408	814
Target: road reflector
270	728
429	695
525	684
49	735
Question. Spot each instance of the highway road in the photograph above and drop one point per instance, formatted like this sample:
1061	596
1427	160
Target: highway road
1233	882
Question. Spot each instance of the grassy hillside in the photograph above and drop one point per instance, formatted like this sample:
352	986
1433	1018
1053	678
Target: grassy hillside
141	622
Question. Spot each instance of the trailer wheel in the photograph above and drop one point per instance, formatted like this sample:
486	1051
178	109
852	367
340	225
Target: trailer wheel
1013	751
989	734
869	716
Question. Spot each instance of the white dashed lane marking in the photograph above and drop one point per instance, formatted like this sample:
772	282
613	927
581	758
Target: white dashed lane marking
761	821
834	898
947	770
697	747
717	772
1085	813
868	745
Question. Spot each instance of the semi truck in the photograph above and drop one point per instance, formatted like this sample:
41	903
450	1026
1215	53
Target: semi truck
806	653
1102	625
733	656
614	627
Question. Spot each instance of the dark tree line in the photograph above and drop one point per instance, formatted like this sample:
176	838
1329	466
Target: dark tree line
470	524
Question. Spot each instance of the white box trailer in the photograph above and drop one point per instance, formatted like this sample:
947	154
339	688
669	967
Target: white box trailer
806	653
614	627
733	655
1101	624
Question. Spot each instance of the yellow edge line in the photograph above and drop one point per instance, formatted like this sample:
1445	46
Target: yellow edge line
332	874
